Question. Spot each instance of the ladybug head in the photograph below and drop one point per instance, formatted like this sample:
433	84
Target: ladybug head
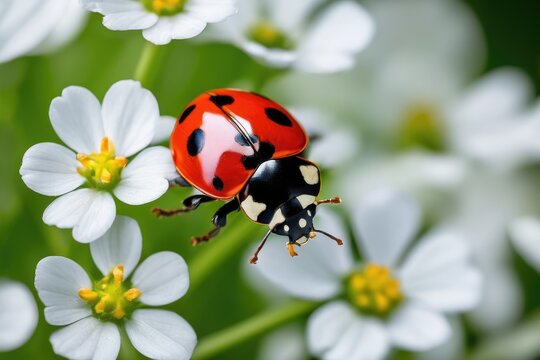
298	225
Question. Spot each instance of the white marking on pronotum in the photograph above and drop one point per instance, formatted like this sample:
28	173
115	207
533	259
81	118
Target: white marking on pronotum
277	219
286	228
309	213
252	208
305	200
302	223
310	174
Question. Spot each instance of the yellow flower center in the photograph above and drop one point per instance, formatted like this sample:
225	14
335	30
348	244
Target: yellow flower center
374	290
102	169
164	7
109	298
269	36
422	128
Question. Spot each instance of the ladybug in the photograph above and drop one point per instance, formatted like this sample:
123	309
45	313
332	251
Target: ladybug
244	148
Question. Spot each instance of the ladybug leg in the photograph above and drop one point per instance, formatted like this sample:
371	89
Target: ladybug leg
219	220
191	203
334	200
255	256
179	182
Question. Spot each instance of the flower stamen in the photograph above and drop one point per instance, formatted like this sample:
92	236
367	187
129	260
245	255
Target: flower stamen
374	290
164	7
269	36
102	169
422	128
109	299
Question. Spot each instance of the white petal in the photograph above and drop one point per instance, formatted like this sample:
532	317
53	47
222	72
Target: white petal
416	328
502	93
290	16
164	129
336	331
121	244
146	177
122	14
76	118
438	273
502	300
50	169
162	278
334	149
453	348
335	38
23	26
87	339
483	123
160	334
130	113
211	11
277	58
181	26
525	236
365	338
316	272
285	343
18	315
385	223
71	19
90	213
408	27
58	281
127	15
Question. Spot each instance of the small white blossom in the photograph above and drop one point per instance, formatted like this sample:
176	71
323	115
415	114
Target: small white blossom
18	314
395	297
162	20
91	311
281	33
102	137
37	26
331	145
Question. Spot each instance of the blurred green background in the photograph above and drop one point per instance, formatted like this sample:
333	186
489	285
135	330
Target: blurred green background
99	58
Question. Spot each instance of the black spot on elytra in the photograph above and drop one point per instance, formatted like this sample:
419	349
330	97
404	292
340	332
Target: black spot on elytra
217	183
195	142
186	113
241	140
221	100
278	116
266	151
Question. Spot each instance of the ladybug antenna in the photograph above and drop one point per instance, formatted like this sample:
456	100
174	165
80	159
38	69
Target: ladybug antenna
334	200
336	239
254	258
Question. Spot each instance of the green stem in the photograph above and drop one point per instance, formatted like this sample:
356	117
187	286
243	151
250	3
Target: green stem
220	249
250	328
262	75
150	57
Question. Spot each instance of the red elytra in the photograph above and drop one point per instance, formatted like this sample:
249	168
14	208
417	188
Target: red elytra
224	134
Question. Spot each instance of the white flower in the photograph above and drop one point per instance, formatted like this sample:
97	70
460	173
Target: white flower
92	310
103	138
281	34
525	236
330	146
18	315
37	26
388	299
162	20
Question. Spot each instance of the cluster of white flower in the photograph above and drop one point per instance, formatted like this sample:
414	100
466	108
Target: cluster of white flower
433	134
